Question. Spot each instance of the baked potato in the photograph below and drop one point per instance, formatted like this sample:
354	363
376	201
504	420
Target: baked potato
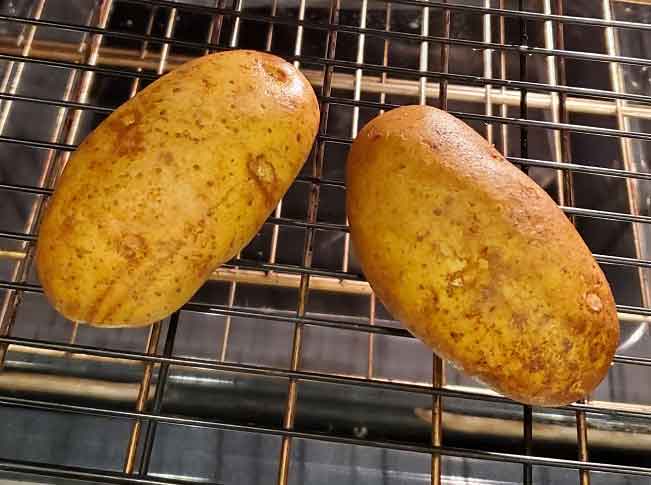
477	260
171	185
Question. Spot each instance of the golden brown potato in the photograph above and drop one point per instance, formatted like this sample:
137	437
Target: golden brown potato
173	184
476	260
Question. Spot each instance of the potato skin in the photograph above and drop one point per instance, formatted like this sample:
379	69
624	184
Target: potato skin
171	185
476	260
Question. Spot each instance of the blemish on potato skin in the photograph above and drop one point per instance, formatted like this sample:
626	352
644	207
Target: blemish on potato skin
456	336
263	173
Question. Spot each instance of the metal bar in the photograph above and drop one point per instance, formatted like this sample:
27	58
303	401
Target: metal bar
163	373
552	78
215	28
227	322
487	57
357	94
524	128
141	399
270	28
565	19
385	56
438	365
135	83
614	409
591	130
527	469
582	438
298	49
372	303
357	91
275	230
370	344
56	51
232	290
564	117
213	37
423	54
597	102
443	450
235	33
504	110
581	55
313	205
93	475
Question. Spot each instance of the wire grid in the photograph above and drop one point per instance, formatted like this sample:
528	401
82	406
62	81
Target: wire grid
88	60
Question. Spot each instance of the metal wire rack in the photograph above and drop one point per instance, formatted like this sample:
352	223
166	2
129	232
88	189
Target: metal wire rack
286	344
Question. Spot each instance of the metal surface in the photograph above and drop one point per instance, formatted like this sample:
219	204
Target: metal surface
285	368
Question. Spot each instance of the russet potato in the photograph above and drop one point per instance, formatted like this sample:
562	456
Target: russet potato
476	260
171	185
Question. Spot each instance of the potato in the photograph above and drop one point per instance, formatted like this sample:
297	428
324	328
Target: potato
476	259
171	185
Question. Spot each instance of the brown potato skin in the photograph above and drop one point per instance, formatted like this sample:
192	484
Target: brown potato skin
171	185
476	259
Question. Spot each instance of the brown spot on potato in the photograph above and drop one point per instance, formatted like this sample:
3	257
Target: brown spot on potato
128	133
456	336
519	321
132	247
278	72
594	302
454	281
263	173
536	362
